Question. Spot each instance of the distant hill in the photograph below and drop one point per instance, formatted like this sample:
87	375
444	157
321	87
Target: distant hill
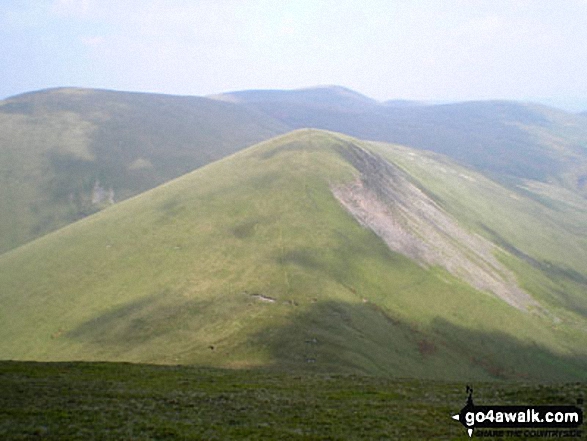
402	103
316	252
505	139
66	153
329	98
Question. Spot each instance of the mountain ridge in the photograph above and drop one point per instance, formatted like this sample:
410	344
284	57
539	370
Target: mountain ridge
524	141
69	152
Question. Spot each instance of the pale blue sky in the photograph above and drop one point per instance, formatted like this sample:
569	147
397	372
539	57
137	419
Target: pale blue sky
404	49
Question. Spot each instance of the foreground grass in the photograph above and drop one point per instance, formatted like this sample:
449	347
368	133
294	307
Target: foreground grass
132	401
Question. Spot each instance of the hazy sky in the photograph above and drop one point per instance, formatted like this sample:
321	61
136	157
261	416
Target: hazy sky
427	49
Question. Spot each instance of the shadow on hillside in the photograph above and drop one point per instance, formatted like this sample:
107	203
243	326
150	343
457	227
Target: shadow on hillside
333	336
557	273
362	338
139	322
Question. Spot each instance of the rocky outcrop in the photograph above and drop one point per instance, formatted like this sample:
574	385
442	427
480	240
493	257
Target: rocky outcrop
385	200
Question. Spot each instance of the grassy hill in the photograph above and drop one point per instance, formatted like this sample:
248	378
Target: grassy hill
265	259
66	153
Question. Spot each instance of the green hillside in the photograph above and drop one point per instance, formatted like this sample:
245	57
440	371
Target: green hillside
66	153
265	259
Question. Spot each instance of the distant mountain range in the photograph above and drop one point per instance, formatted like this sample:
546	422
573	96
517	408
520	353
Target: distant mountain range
65	153
178	237
506	139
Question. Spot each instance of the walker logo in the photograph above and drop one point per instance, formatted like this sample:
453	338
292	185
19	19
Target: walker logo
562	420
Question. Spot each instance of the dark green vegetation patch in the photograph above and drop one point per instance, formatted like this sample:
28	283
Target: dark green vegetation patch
58	401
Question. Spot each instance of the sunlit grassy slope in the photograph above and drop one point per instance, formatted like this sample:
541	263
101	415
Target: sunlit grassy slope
62	151
251	261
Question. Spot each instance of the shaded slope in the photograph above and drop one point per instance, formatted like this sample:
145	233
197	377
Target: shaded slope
252	261
66	153
543	226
